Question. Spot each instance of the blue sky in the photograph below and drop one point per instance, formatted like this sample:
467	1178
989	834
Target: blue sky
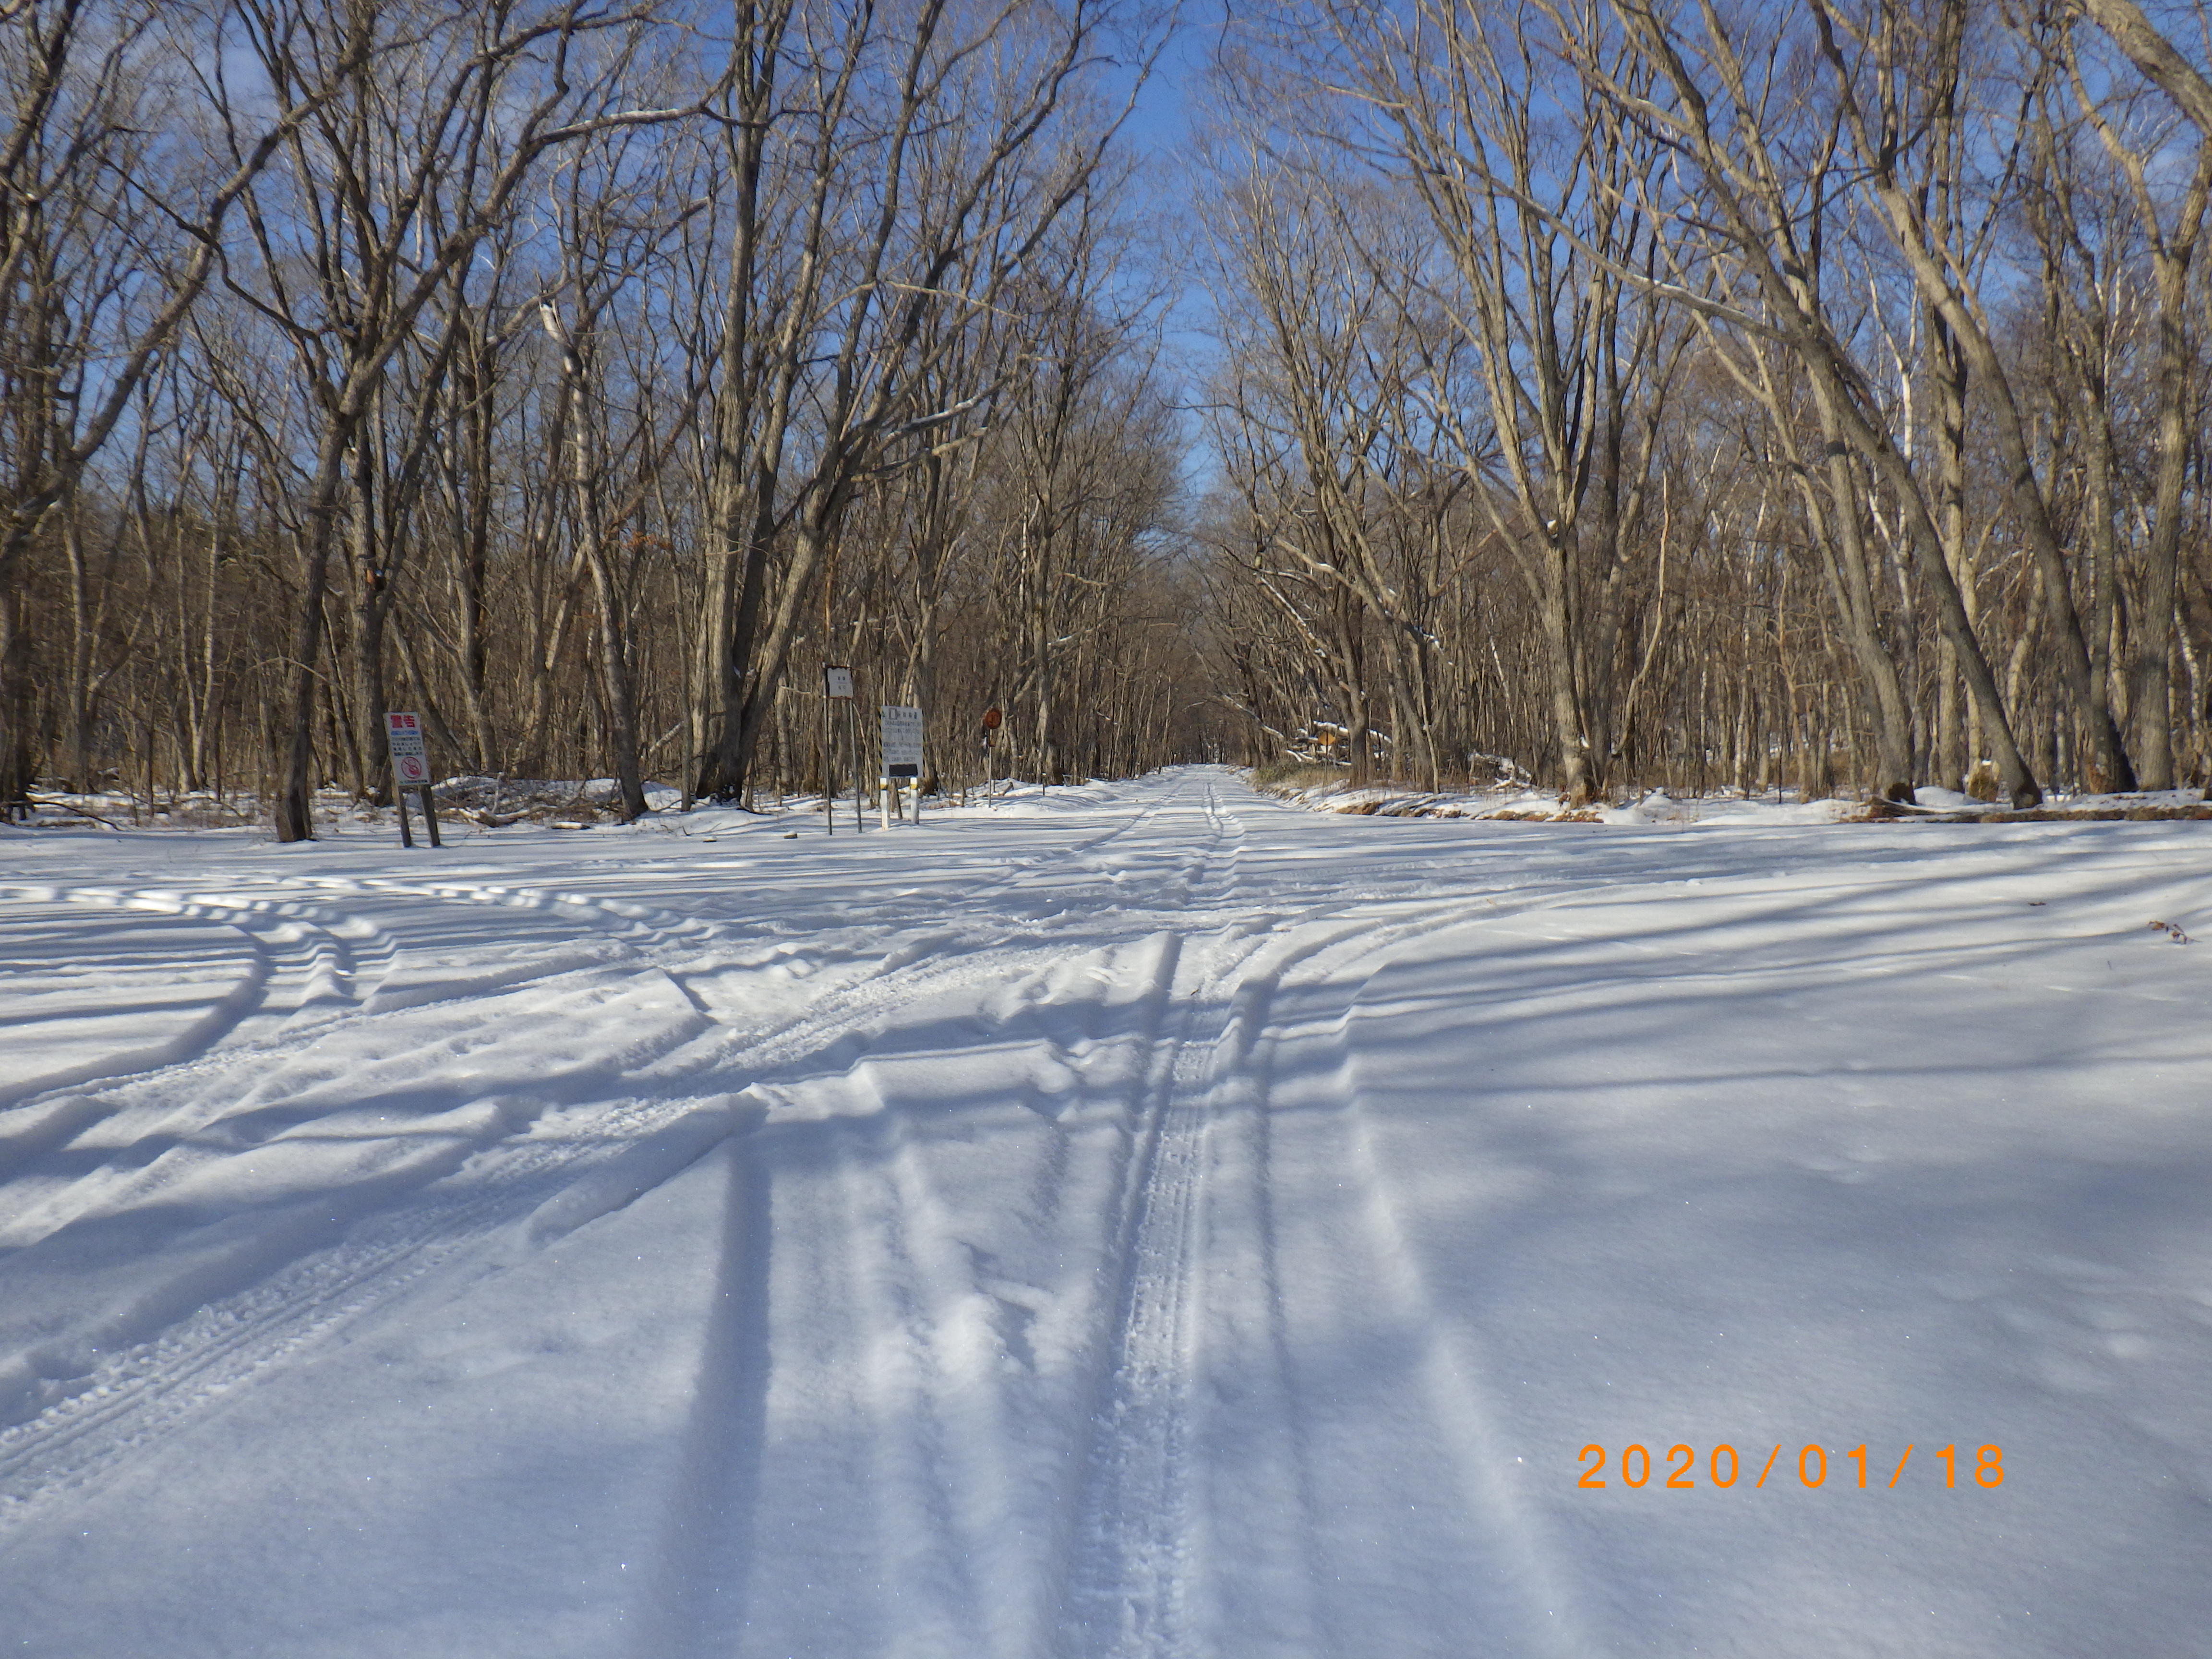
1159	133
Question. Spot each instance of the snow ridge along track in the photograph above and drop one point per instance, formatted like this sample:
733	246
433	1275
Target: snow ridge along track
308	962
1493	1565
1199	1524
1126	1585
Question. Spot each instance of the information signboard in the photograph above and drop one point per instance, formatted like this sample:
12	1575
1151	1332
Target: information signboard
410	759
902	742
838	681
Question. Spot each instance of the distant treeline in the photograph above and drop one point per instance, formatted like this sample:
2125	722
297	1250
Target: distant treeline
1719	395
583	378
1642	393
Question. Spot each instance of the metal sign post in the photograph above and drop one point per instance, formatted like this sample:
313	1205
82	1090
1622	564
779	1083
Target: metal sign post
902	738
410	769
837	684
991	717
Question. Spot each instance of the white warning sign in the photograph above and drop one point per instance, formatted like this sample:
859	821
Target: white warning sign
902	742
410	757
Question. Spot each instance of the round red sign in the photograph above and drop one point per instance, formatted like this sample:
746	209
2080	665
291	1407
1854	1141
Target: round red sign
991	719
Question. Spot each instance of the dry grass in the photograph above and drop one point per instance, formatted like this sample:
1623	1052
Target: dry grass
1287	775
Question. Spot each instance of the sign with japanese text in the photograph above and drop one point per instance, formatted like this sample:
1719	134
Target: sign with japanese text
902	742
410	758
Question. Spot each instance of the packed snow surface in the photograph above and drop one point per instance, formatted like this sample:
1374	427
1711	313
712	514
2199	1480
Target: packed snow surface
1144	1220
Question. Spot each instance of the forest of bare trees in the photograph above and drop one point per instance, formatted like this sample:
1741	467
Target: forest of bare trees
1635	394
1718	395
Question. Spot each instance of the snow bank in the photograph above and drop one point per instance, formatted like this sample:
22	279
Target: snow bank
1657	806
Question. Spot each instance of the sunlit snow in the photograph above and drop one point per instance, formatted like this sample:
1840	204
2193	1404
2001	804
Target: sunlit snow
1146	1220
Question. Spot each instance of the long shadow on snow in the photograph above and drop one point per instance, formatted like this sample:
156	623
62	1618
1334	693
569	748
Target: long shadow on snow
1665	1237
943	1081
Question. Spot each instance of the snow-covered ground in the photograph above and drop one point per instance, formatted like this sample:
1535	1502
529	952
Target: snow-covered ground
1151	1220
1515	802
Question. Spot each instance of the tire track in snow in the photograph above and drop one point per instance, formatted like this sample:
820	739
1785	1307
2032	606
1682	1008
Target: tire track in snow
944	1542
308	964
228	1082
621	918
1134	1580
284	1276
1128	1585
232	1310
1191	870
292	1284
161	1373
302	1279
1197	1519
1214	878
898	1378
1256	1500
1511	1567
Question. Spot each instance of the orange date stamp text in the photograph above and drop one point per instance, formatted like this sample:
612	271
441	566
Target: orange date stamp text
1720	1467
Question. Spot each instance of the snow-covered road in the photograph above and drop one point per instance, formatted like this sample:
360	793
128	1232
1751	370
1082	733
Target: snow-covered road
1150	1221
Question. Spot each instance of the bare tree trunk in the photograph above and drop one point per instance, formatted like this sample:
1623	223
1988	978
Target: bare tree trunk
1939	273
2171	252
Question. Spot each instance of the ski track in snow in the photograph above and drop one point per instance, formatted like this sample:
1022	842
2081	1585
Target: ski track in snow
184	1341
1068	1285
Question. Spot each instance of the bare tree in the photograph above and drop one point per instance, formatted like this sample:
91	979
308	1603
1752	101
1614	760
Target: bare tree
439	121
2170	223
907	154
106	243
